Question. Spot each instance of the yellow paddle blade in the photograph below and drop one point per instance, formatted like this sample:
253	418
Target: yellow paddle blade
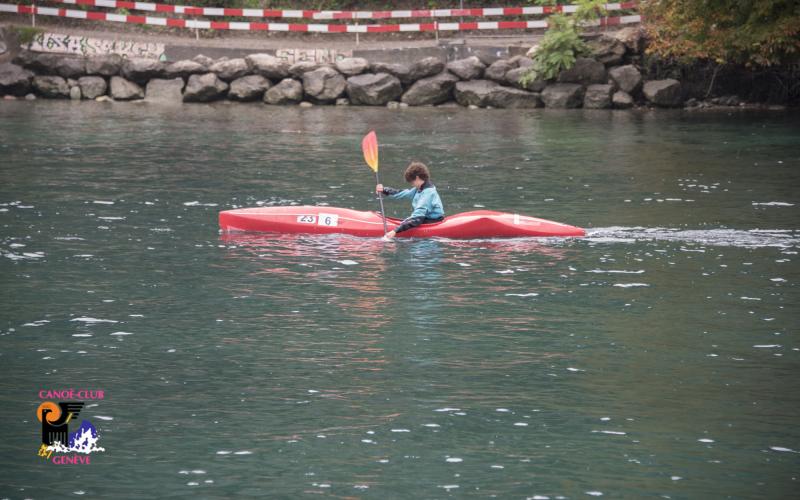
370	147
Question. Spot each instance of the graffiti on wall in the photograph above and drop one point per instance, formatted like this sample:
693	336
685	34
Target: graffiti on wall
56	43
312	55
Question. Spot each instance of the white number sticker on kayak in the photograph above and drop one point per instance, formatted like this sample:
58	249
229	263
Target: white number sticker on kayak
306	219
328	220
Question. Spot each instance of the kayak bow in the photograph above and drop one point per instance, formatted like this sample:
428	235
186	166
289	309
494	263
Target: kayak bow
328	220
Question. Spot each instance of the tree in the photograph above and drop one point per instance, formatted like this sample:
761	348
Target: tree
749	32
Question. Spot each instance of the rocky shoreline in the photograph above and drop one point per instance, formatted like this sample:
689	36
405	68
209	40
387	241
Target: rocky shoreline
611	77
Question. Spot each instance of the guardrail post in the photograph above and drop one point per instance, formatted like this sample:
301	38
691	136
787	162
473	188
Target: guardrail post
33	14
436	28
357	33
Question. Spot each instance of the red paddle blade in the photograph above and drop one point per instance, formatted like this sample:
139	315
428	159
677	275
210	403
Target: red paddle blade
370	147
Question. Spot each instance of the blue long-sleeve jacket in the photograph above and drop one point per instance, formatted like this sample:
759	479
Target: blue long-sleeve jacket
425	202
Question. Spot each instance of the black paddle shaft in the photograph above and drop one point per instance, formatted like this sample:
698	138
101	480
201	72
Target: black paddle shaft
380	200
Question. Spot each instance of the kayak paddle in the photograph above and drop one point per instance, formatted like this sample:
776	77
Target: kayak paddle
369	145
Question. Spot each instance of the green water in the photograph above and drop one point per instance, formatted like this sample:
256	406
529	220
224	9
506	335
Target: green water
659	356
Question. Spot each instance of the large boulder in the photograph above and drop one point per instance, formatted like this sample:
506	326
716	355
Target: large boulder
165	91
507	97
42	64
399	70
249	88
324	84
474	92
607	50
184	69
664	93
586	71
621	100
204	88
428	66
432	90
598	96
204	60
268	66
125	90
563	95
514	78
298	69
230	69
92	87
470	68
71	67
287	91
521	62
14	79
351	66
104	65
140	70
75	93
373	89
632	38
627	78
497	70
51	86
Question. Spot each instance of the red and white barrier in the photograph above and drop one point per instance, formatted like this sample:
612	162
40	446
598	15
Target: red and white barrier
339	14
311	28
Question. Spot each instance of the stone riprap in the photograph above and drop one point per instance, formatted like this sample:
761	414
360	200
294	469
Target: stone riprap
609	78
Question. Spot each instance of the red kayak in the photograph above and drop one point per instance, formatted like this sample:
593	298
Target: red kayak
327	220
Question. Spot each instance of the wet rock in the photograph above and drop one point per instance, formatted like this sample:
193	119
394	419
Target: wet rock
324	84
184	69
140	70
393	105
30	97
586	71
125	90
401	71
230	69
249	88
373	89
627	78
622	100
563	95
75	93
268	66
343	101
607	50
204	88
432	90
297	70
497	71
474	92
51	86
691	103
470	68
165	91
664	93
103	98
14	79
306	104
426	67
508	97
92	87
598	96
514	78
104	65
352	66
287	91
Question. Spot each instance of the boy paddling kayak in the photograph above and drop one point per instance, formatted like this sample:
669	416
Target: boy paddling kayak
425	202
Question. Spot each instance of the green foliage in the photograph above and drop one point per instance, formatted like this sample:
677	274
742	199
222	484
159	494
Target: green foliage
558	50
750	32
26	34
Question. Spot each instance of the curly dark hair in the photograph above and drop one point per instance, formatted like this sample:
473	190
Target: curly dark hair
417	169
